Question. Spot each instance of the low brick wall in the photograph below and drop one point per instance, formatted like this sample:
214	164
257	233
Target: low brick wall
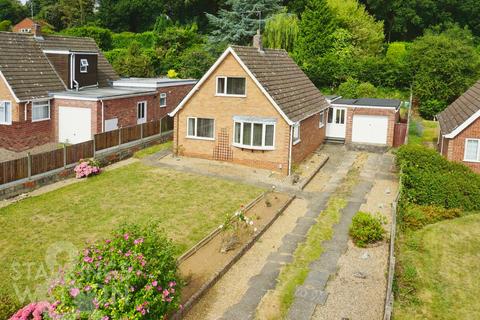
107	156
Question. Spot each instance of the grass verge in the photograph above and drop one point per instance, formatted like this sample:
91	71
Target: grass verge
187	206
438	274
422	132
153	149
294	274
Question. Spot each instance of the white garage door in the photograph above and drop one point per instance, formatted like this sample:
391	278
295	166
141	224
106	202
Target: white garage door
370	129
74	124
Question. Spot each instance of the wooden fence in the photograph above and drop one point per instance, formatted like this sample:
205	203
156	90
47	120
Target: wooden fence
400	134
34	164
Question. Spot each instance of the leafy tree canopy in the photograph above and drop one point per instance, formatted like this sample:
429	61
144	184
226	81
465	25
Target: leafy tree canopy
281	31
12	10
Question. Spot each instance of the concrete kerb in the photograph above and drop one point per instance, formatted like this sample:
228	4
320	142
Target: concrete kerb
310	178
215	278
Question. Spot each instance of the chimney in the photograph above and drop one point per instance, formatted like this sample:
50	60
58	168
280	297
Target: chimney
257	41
37	31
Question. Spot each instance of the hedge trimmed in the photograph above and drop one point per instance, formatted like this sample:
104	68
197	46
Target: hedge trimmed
430	179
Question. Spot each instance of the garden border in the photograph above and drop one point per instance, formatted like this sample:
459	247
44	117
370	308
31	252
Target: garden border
216	277
310	178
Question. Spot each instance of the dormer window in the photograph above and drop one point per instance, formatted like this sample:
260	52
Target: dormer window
231	86
83	65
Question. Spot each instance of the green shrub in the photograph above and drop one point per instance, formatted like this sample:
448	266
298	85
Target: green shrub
103	37
366	90
416	217
133	275
366	229
8	305
348	89
430	179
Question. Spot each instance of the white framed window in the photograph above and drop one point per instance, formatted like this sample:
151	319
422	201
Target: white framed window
231	86
163	100
472	150
254	135
83	65
5	112
200	128
26	30
296	133
322	119
40	110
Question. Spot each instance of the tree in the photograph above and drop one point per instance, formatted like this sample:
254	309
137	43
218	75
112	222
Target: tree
366	33
239	24
315	31
5	25
281	31
133	62
443	68
12	10
64	13
103	37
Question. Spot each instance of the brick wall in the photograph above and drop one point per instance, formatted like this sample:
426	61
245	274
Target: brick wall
456	146
391	113
311	137
174	96
206	104
125	110
24	24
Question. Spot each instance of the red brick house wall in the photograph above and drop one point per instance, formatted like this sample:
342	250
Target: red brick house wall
174	96
311	137
454	149
392	119
26	23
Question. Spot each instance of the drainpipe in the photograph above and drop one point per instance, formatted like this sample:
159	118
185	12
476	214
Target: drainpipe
25	109
290	151
103	116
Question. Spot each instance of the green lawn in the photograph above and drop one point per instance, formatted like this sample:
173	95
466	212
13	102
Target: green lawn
153	149
187	206
422	132
440	276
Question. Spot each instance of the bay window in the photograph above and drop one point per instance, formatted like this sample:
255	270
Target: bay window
254	134
40	110
5	112
200	128
472	150
231	86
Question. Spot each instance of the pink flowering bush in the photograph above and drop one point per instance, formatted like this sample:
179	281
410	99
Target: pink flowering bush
131	276
87	168
34	311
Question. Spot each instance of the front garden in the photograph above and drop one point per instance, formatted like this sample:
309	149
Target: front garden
40	233
438	239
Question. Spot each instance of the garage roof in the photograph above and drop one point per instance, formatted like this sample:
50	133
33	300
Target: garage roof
369	102
96	94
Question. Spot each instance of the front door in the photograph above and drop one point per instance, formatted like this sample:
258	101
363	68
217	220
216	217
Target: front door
141	112
336	124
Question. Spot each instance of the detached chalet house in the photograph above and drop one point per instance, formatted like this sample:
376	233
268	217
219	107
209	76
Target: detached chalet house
253	107
62	89
459	138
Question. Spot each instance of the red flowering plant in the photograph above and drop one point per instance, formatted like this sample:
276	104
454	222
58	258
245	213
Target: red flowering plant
87	168
131	276
34	311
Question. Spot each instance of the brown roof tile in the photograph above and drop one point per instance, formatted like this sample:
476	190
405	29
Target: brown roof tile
286	83
460	110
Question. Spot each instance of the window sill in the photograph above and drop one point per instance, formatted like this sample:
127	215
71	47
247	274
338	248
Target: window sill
297	142
472	161
241	146
200	138
5	123
40	120
320	127
163	106
231	95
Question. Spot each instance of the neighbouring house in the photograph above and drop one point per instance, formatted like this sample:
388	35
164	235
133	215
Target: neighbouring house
254	107
27	25
459	138
363	121
60	89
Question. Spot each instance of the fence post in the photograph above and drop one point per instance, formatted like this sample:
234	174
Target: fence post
119	137
94	146
141	131
64	156
29	165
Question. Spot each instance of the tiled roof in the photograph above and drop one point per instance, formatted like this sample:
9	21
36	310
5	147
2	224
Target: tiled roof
28	71
285	82
26	68
460	110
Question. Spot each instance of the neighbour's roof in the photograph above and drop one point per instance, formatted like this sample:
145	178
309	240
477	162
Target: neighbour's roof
284	81
369	102
460	110
25	67
29	72
152	82
102	93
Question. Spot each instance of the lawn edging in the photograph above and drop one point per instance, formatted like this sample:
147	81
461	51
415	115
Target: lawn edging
314	173
216	277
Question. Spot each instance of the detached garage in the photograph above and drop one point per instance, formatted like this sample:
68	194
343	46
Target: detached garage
363	121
